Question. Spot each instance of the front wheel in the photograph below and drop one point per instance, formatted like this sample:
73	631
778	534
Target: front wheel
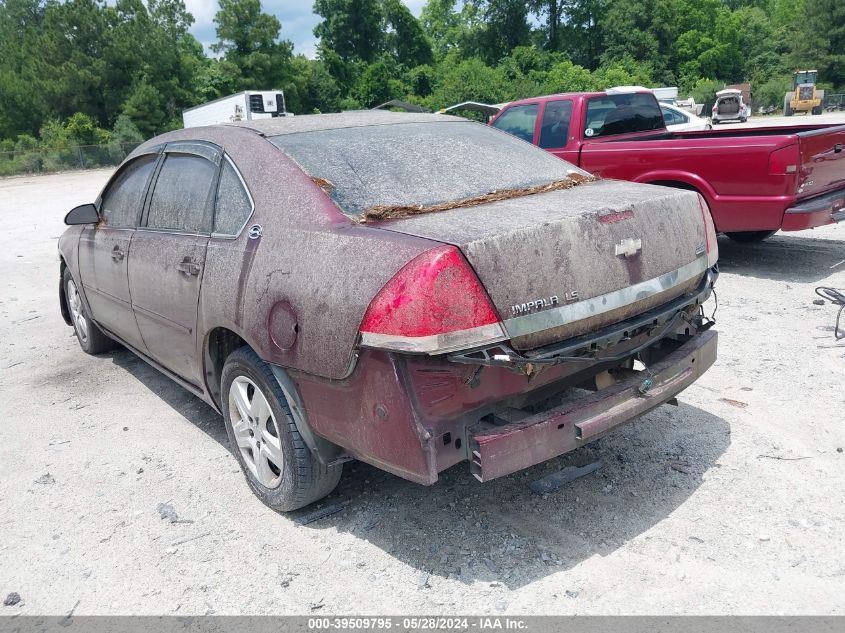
749	237
278	466
91	338
817	110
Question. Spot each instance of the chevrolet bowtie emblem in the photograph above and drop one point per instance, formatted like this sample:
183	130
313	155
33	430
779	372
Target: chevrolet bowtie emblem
628	247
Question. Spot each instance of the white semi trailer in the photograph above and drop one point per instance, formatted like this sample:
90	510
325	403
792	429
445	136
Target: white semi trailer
243	106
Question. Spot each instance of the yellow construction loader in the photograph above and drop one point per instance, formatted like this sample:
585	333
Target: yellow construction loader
804	97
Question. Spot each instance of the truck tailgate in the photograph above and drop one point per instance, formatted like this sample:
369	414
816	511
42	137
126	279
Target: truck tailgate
822	161
559	264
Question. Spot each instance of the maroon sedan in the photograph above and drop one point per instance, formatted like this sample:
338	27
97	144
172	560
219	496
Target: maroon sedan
409	290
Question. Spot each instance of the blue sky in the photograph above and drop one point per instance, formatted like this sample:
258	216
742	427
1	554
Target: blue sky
297	20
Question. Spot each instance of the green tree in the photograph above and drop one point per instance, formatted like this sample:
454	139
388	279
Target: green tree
505	26
145	108
377	84
352	29
446	28
820	40
405	39
248	38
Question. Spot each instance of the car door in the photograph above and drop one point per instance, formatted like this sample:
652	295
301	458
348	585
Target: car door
104	249
167	255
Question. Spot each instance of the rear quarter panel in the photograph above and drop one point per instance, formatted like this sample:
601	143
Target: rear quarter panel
298	293
730	166
732	173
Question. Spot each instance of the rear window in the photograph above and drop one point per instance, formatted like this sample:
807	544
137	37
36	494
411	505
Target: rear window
621	114
419	163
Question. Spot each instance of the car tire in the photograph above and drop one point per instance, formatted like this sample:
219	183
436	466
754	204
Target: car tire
262	433
749	237
91	338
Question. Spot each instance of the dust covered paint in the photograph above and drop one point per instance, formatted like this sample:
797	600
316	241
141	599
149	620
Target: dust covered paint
291	272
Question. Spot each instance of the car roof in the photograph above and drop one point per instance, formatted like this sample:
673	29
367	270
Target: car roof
586	95
359	118
554	96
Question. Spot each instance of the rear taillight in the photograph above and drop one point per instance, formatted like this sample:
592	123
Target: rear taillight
435	304
784	161
711	246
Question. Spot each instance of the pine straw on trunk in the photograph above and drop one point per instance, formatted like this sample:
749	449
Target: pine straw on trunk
394	212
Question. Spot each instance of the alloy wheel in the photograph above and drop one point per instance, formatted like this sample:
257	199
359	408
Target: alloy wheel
74	301
256	432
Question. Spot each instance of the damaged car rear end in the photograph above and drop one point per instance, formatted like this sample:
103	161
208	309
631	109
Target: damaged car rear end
545	309
409	290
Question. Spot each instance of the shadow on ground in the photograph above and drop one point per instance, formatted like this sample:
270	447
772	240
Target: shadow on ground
198	412
500	531
783	257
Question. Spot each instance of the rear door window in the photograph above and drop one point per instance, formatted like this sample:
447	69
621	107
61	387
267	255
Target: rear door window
554	128
673	118
519	120
233	206
610	115
183	194
122	201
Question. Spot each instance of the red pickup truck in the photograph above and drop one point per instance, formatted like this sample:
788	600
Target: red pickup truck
756	181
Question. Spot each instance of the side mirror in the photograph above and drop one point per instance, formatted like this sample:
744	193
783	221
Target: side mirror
83	214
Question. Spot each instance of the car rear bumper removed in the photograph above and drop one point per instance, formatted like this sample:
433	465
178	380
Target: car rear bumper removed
819	211
501	450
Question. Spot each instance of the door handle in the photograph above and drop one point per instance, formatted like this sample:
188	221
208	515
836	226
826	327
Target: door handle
837	148
117	254
189	268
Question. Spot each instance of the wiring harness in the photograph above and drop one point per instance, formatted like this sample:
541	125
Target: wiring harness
836	298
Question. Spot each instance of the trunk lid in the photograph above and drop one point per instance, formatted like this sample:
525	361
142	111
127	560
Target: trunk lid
564	263
822	166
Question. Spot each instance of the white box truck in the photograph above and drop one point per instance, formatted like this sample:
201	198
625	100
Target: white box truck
243	106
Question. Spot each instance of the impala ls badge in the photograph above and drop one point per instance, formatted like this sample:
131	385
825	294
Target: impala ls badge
545	302
628	247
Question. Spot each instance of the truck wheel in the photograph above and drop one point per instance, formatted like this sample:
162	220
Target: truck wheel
787	109
749	237
278	466
817	110
91	338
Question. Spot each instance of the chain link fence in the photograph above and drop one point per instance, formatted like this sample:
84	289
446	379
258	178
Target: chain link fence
44	160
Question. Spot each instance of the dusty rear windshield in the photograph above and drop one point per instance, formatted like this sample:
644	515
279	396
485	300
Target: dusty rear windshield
418	163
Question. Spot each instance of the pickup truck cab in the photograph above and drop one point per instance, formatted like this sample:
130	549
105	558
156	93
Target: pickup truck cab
755	181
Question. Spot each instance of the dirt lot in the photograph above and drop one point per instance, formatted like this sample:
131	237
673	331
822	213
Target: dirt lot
750	519
777	120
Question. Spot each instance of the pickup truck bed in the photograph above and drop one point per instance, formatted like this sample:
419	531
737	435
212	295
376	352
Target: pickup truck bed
755	181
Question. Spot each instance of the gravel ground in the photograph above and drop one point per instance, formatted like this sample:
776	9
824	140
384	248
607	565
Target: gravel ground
778	120
118	494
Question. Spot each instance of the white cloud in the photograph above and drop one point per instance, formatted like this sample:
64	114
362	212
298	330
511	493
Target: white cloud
203	11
